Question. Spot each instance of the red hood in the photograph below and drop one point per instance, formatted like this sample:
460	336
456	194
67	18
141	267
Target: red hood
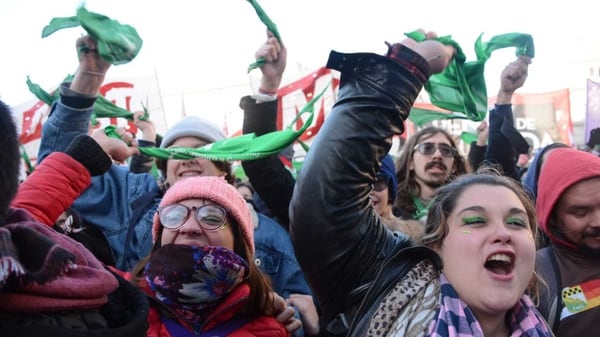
563	168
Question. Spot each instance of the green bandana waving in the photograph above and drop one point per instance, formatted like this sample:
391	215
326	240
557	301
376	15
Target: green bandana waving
461	86
117	43
244	147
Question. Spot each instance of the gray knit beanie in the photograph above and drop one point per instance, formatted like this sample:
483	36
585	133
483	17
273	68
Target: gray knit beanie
193	126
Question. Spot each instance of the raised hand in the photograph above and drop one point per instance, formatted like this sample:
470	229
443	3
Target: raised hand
514	75
437	54
275	55
146	126
92	67
117	149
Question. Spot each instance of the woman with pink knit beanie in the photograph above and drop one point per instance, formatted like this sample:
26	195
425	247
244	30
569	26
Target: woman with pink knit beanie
200	274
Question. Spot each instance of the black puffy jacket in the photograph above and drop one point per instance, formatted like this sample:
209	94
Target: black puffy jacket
351	260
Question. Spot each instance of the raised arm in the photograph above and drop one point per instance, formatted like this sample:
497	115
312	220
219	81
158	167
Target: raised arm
505	142
272	181
70	115
339	240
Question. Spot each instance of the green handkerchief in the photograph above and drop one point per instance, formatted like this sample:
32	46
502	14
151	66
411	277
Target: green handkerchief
117	43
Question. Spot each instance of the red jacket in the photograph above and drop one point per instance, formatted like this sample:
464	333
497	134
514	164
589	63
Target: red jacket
262	326
52	187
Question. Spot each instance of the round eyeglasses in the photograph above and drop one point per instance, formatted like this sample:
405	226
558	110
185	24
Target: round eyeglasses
429	148
209	217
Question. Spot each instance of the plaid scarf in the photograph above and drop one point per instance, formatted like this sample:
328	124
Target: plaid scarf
43	270
192	281
456	319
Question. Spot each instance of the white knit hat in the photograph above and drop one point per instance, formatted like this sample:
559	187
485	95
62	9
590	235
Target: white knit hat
193	126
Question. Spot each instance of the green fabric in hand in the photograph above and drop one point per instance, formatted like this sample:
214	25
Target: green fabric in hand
244	147
271	26
461	86
117	43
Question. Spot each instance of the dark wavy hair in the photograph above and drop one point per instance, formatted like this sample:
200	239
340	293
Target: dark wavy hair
407	185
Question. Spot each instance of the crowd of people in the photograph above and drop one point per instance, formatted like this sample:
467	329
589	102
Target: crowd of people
362	242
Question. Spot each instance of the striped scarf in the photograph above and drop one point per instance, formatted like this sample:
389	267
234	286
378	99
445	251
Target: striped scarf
456	319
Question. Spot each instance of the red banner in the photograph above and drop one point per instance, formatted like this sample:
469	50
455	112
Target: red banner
294	96
129	94
544	118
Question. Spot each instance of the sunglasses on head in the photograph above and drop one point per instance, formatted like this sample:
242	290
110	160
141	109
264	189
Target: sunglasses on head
429	148
209	217
380	184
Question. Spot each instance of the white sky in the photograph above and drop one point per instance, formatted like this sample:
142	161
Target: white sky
195	47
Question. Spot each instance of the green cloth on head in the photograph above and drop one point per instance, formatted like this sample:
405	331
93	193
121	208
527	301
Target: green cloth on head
244	147
461	86
117	43
271	26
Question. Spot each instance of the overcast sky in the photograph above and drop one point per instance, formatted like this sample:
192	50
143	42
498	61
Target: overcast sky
199	45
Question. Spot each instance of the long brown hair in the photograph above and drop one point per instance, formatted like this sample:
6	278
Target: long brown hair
407	185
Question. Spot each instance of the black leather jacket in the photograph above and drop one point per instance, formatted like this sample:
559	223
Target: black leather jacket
351	260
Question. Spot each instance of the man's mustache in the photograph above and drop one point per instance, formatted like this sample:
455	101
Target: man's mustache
435	163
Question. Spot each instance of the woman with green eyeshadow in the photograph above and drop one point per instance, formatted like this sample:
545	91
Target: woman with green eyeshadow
471	271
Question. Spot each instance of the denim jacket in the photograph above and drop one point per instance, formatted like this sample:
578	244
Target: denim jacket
108	201
275	257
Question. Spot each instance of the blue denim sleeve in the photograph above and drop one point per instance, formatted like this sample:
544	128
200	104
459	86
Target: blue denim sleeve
275	257
65	123
106	203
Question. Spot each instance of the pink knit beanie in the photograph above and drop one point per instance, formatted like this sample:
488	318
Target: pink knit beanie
217	190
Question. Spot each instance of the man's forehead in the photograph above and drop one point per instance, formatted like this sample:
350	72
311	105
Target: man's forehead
583	192
441	138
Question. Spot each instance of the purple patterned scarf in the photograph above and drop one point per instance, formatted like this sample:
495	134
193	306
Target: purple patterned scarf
193	281
43	270
456	319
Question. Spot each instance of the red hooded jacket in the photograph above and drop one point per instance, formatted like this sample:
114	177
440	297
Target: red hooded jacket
563	168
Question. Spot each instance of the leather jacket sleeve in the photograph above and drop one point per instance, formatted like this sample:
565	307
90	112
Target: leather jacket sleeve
476	155
269	177
505	142
339	239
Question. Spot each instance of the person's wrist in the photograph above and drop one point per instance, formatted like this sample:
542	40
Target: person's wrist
504	97
87	83
270	92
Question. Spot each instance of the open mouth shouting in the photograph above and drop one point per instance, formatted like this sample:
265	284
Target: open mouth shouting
501	265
